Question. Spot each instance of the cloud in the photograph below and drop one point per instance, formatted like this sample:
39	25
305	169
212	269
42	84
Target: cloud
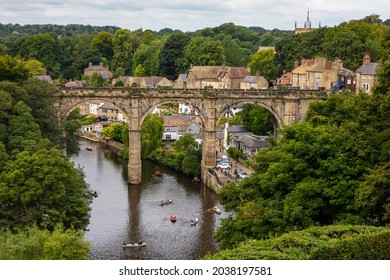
188	15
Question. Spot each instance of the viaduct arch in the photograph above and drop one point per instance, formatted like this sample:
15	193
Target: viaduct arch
285	107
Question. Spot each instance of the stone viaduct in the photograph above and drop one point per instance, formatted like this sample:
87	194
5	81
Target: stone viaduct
285	108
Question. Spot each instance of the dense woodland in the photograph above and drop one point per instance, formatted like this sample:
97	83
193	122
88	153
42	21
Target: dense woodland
330	171
65	51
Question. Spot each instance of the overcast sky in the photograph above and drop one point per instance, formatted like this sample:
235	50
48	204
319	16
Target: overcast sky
189	15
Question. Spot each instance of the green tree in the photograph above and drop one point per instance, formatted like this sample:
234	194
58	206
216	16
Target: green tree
41	99
139	71
256	119
152	132
171	55
103	42
123	50
44	189
263	62
13	69
185	143
36	244
23	131
114	131
71	126
43	47
203	52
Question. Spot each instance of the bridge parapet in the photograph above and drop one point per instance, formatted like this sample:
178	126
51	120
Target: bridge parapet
204	93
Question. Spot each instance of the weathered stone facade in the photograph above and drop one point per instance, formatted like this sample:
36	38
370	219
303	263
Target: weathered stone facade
285	108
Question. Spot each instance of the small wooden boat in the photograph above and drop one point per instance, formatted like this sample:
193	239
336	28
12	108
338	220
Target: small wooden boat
158	173
88	148
134	245
196	179
194	221
165	202
173	218
215	209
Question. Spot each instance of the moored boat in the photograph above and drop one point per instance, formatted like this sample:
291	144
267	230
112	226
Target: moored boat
165	202
88	148
215	209
194	221
134	244
158	173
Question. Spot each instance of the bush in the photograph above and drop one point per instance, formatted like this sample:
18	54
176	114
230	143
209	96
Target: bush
236	153
335	242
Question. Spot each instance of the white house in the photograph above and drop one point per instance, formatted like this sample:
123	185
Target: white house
170	133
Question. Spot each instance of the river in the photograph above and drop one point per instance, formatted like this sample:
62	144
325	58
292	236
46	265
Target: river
129	213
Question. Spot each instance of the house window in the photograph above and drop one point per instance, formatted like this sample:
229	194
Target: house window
366	87
168	137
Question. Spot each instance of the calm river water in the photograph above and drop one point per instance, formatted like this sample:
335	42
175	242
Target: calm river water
128	213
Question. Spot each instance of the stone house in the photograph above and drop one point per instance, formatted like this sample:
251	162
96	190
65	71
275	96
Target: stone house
250	144
217	77
156	82
317	73
144	82
254	82
100	69
91	128
112	113
366	75
170	133
299	73
323	74
285	79
181	81
177	125
348	77
241	138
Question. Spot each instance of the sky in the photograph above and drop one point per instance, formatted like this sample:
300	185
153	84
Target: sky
189	15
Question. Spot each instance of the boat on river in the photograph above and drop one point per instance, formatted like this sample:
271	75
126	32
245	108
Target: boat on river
173	218
215	209
194	221
158	173
134	245
196	179
165	202
88	148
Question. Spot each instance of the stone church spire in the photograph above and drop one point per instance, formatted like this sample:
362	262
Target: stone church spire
308	22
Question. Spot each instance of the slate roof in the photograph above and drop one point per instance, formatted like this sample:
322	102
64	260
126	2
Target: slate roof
254	141
183	78
346	73
253	79
45	78
213	72
237	129
368	69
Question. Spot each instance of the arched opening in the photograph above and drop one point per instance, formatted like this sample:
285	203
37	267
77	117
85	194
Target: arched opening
246	127
181	135
93	119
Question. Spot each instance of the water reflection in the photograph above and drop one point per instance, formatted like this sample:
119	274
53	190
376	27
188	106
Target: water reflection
129	213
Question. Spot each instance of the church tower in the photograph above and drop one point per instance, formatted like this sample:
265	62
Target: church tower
306	26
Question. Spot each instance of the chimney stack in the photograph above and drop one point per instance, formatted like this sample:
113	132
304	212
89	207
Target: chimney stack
366	59
257	73
296	63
